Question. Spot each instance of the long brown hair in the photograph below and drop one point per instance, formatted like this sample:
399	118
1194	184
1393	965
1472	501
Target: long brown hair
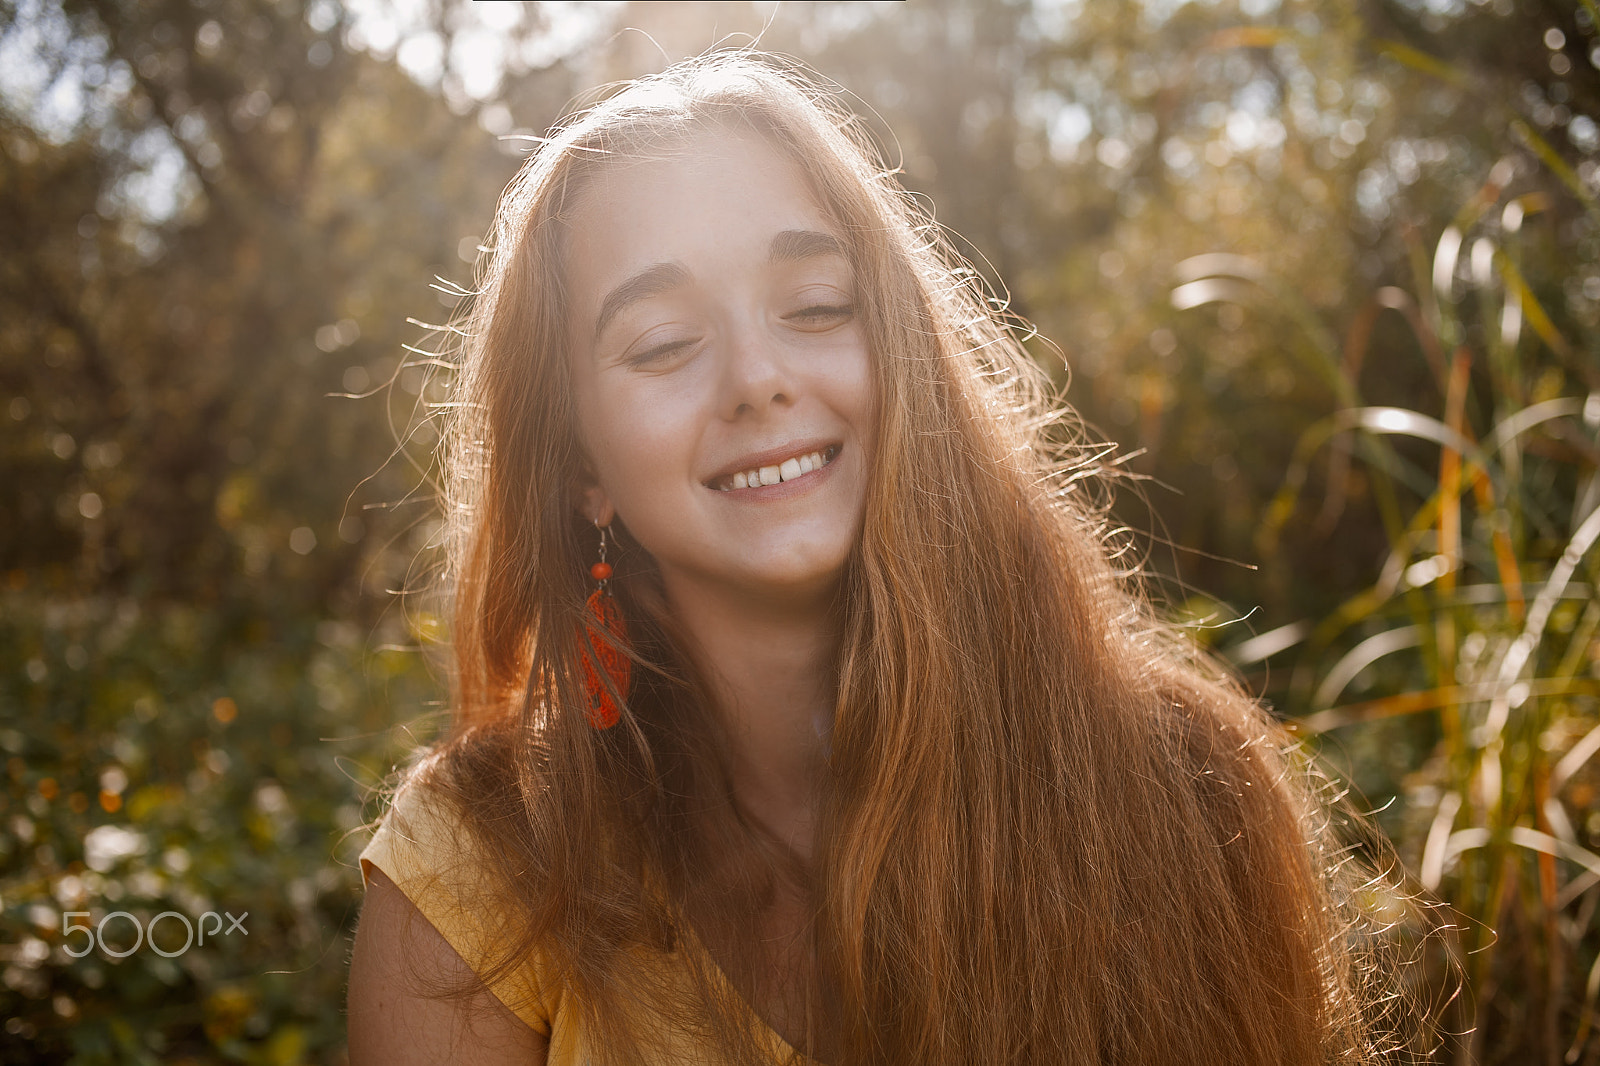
1051	833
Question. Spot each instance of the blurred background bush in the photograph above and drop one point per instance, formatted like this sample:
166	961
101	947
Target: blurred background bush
1329	273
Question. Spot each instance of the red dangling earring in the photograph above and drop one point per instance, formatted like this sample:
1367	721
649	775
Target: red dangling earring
604	614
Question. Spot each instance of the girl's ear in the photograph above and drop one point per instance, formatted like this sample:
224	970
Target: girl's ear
593	503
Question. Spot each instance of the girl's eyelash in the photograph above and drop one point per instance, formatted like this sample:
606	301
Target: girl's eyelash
658	351
821	310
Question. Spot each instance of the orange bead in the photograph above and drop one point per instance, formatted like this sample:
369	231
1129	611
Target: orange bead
600	571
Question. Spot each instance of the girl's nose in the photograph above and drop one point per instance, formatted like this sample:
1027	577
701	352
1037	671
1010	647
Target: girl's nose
755	376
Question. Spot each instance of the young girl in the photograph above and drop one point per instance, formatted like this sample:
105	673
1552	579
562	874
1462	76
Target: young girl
801	714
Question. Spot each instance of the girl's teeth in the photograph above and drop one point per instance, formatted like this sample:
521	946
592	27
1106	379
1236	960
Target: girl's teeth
788	470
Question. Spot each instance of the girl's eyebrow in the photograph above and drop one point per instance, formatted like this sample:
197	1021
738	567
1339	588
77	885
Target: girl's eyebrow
794	244
651	281
791	245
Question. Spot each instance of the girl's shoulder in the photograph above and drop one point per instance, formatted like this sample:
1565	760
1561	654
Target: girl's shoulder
425	846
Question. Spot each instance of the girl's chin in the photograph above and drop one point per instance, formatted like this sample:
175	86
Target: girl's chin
798	565
779	576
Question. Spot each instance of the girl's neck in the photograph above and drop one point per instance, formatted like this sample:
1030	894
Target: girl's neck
771	672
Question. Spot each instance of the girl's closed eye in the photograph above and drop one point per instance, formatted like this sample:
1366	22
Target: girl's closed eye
660	352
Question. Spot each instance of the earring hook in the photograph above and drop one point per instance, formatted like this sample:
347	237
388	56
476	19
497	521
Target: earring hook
601	571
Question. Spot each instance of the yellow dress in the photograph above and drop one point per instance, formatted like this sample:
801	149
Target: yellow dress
423	848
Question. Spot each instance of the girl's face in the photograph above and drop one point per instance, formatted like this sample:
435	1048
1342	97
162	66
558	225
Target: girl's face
725	394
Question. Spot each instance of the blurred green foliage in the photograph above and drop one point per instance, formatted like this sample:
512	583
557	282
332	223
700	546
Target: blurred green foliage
1252	227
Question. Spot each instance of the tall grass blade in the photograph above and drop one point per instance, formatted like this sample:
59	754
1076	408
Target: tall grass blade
1359	658
1421	61
1522	649
1532	309
1433	850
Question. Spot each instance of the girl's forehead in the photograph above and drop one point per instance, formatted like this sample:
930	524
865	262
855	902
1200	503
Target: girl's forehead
715	198
699	165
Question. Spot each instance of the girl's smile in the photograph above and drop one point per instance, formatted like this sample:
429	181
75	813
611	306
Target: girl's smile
778	466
